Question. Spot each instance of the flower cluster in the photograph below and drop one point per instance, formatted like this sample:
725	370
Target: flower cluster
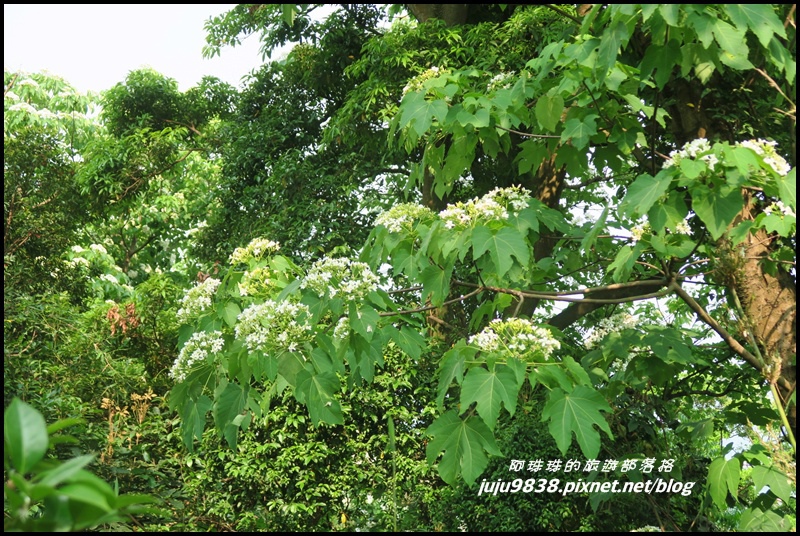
401	216
415	84
492	206
683	228
516	336
257	282
342	329
349	279
766	149
608	325
501	81
274	325
255	250
638	231
197	349
695	149
780	209
197	299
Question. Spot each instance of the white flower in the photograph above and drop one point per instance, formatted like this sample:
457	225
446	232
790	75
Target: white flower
683	228
350	279
401	216
766	148
608	325
779	208
516	337
197	299
255	250
199	346
274	325
98	248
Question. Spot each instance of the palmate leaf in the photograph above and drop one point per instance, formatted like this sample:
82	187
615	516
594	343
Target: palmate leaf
502	245
488	389
463	444
577	412
418	112
716	208
644	191
317	391
723	478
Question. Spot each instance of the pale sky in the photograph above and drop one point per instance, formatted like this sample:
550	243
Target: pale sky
93	47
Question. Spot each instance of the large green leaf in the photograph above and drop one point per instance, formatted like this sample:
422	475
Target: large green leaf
579	131
451	367
760	18
463	444
644	191
25	435
231	400
776	480
436	283
409	340
502	245
723	478
548	112
716	207
488	389
577	412
318	392
418	112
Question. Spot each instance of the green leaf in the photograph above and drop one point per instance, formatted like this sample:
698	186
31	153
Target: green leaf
772	477
591	237
579	131
409	340
716	207
668	345
318	391
64	471
577	412
418	112
787	189
502	245
451	367
645	191
231	400
462	444
25	435
760	18
548	112
229	313
733	45
363	320
723	478
668	214
436	283
488	389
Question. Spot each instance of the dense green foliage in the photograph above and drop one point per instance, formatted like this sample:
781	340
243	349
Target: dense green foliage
429	248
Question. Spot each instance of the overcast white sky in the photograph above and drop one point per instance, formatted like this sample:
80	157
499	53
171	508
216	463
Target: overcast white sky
94	47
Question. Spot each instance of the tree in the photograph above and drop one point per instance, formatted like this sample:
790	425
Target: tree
608	169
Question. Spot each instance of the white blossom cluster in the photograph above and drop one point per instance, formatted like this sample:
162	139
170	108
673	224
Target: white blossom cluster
274	325
341	277
255	250
415	84
342	329
766	148
197	299
608	325
501	81
638	231
257	282
683	228
402	216
695	149
492	206
781	209
516	336
196	349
